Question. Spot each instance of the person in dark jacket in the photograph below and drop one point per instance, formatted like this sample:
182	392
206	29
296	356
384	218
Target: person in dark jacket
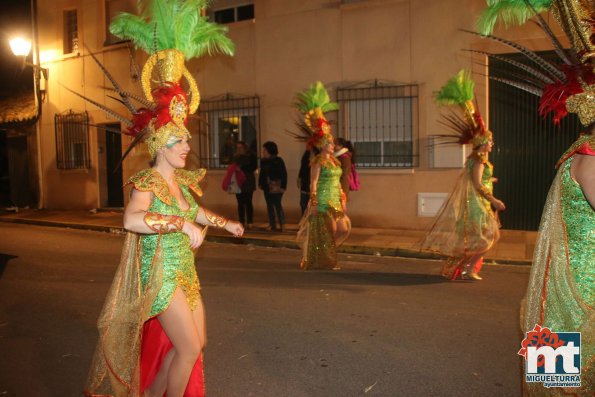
247	162
273	181
304	181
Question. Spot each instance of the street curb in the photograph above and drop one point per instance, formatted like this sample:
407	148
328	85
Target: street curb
263	242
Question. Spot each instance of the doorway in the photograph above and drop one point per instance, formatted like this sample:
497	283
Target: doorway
110	169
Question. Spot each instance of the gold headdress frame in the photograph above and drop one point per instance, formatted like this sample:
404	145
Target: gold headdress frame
171	68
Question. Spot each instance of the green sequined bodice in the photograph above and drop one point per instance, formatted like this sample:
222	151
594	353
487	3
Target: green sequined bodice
329	186
486	178
579	222
175	256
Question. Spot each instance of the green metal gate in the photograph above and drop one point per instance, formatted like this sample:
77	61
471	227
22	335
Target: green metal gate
526	150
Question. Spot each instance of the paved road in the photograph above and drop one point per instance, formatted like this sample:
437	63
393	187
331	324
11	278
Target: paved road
379	327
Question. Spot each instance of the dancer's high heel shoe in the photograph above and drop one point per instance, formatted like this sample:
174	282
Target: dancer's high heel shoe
475	276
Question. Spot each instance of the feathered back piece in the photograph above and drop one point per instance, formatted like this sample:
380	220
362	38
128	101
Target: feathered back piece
510	12
468	128
564	86
168	24
170	31
312	103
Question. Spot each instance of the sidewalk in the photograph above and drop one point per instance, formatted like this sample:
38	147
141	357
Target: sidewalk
515	247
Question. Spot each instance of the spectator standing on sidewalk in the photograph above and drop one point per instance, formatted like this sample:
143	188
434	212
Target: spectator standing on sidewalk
246	160
273	181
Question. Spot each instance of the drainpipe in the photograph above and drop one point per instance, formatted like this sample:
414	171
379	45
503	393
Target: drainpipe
36	70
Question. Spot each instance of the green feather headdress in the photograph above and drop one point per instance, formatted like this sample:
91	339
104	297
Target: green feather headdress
312	104
173	24
314	97
469	128
457	90
510	12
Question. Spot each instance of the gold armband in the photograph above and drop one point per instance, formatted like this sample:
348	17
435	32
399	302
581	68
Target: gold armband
215	219
485	193
163	223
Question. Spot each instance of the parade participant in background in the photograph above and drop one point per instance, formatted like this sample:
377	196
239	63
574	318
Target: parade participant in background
273	181
303	181
561	290
344	153
325	224
466	227
152	325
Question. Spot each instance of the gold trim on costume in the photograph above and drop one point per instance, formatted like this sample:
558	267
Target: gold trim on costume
215	219
150	180
163	223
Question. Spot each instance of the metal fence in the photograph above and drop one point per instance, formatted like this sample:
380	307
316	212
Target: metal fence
224	121
381	120
72	140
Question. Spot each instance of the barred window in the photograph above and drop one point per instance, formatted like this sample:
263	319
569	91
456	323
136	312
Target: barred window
71	35
230	11
72	140
382	123
229	119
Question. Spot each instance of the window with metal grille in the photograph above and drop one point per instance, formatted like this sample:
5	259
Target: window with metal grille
236	13
72	140
382	123
71	35
229	119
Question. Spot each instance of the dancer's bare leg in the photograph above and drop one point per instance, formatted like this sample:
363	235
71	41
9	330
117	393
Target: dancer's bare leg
178	323
157	388
199	317
341	230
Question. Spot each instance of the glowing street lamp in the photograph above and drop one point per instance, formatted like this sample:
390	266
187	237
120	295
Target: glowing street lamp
20	47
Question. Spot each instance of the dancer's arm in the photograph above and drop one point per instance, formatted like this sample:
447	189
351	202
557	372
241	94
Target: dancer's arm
209	218
314	175
583	170
482	190
138	220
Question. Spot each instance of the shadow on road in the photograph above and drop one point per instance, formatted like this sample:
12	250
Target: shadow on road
4	258
343	280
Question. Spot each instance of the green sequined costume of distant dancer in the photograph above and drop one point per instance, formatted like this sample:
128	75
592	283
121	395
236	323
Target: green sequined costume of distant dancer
319	245
177	257
561	290
467	225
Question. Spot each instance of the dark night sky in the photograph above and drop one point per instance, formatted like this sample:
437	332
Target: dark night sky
15	20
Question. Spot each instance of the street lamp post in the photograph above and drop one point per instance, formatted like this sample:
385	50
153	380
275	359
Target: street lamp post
21	48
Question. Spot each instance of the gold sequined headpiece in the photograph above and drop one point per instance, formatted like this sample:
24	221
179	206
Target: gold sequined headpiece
171	104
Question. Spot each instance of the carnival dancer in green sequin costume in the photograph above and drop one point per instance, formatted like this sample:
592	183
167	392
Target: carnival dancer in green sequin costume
152	326
561	291
325	224
467	226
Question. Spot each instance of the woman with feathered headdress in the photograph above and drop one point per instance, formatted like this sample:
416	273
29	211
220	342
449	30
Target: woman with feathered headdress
467	226
561	291
152	325
325	224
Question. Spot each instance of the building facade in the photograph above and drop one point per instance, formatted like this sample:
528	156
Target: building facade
381	60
